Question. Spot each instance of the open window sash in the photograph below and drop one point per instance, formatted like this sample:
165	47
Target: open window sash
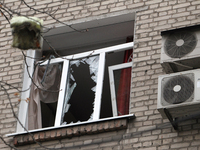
113	91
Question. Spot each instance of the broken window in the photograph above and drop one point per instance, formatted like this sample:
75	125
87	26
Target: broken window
83	85
80	90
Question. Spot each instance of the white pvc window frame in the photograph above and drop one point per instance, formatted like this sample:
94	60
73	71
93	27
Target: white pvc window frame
23	110
111	70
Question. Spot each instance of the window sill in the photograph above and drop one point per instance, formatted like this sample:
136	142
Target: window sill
72	130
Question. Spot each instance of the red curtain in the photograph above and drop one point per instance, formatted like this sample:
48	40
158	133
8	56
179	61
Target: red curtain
123	94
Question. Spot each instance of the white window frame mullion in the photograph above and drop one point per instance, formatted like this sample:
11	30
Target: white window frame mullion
61	96
116	48
23	107
99	86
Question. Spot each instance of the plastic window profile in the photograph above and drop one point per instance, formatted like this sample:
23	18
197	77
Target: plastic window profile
24	107
112	84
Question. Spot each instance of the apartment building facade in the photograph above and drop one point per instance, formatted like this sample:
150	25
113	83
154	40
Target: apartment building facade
101	37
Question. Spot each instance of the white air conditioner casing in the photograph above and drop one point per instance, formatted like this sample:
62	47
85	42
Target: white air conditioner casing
179	93
173	41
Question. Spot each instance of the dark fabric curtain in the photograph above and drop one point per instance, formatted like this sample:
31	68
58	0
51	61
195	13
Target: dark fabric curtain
123	94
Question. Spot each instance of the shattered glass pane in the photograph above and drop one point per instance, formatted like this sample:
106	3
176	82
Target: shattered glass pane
80	90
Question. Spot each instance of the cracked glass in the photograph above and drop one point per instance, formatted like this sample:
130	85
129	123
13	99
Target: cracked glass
80	90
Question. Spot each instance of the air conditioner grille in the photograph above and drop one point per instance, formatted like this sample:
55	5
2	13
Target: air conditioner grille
179	44
178	89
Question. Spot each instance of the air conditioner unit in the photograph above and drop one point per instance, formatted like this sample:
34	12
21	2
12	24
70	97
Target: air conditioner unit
179	93
181	49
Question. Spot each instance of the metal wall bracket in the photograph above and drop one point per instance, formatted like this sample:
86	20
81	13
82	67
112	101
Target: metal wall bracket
172	121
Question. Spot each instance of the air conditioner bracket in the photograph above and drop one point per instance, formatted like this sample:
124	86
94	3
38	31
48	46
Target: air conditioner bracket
172	121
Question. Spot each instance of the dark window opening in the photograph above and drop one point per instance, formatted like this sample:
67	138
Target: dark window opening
81	87
48	111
